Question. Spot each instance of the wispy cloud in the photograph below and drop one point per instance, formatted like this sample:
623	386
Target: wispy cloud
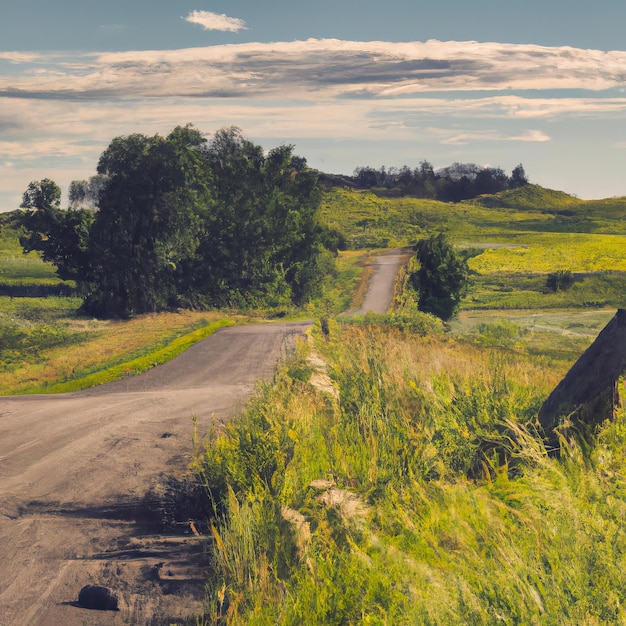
460	139
216	21
58	111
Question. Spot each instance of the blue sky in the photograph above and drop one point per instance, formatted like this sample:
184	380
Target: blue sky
350	83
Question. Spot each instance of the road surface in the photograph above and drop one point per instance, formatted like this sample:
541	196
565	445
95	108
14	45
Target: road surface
80	473
76	469
380	291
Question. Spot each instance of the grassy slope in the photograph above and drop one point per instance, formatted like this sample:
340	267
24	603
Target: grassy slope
368	220
523	234
61	352
417	494
17	268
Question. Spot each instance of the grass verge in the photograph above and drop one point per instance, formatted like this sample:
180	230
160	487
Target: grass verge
138	365
93	352
419	492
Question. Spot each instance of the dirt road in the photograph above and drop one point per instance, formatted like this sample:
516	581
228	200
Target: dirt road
81	478
77	472
380	291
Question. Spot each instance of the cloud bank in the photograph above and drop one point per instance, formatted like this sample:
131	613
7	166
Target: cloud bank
315	68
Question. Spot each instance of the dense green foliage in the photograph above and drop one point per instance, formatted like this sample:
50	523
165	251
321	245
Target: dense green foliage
180	221
561	280
442	277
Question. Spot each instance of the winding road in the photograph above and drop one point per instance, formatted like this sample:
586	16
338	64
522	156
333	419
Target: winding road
78	474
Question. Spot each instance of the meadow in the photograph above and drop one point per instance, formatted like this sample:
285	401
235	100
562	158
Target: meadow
394	472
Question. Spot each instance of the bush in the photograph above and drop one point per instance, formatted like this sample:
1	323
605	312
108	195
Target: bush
442	278
561	280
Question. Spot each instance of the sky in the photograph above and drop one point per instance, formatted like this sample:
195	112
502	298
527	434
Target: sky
349	83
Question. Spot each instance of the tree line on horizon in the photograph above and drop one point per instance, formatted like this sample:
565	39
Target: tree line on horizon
180	221
454	183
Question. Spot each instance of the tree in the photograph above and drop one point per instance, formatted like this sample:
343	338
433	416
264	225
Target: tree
149	222
265	243
518	177
179	221
442	278
86	193
61	237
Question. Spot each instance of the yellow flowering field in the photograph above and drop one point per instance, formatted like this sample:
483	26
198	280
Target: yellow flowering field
548	252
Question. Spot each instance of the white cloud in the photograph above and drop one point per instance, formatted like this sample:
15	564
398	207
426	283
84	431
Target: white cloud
531	135
320	69
216	21
464	138
58	111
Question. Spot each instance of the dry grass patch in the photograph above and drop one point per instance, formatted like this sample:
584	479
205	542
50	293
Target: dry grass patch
104	344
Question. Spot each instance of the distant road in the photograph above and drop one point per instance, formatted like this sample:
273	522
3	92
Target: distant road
75	471
380	292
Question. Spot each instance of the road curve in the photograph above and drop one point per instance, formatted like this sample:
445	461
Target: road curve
77	472
75	469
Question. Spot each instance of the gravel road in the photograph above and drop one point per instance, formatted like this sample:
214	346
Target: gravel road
75	471
380	291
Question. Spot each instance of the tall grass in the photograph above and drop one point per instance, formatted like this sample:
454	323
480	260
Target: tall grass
420	493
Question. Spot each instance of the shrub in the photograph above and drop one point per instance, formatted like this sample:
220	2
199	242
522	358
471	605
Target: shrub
561	280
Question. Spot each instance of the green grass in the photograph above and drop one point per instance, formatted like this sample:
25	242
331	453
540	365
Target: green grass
137	365
17	268
513	275
369	221
63	353
419	494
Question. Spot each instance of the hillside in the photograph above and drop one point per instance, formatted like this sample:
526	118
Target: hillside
529	197
604	215
367	220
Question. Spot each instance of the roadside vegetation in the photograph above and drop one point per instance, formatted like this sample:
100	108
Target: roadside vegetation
417	490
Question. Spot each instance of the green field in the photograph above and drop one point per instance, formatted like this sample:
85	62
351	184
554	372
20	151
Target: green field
417	492
513	241
17	268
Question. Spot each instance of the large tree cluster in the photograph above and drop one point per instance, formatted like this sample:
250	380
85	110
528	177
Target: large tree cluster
182	221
